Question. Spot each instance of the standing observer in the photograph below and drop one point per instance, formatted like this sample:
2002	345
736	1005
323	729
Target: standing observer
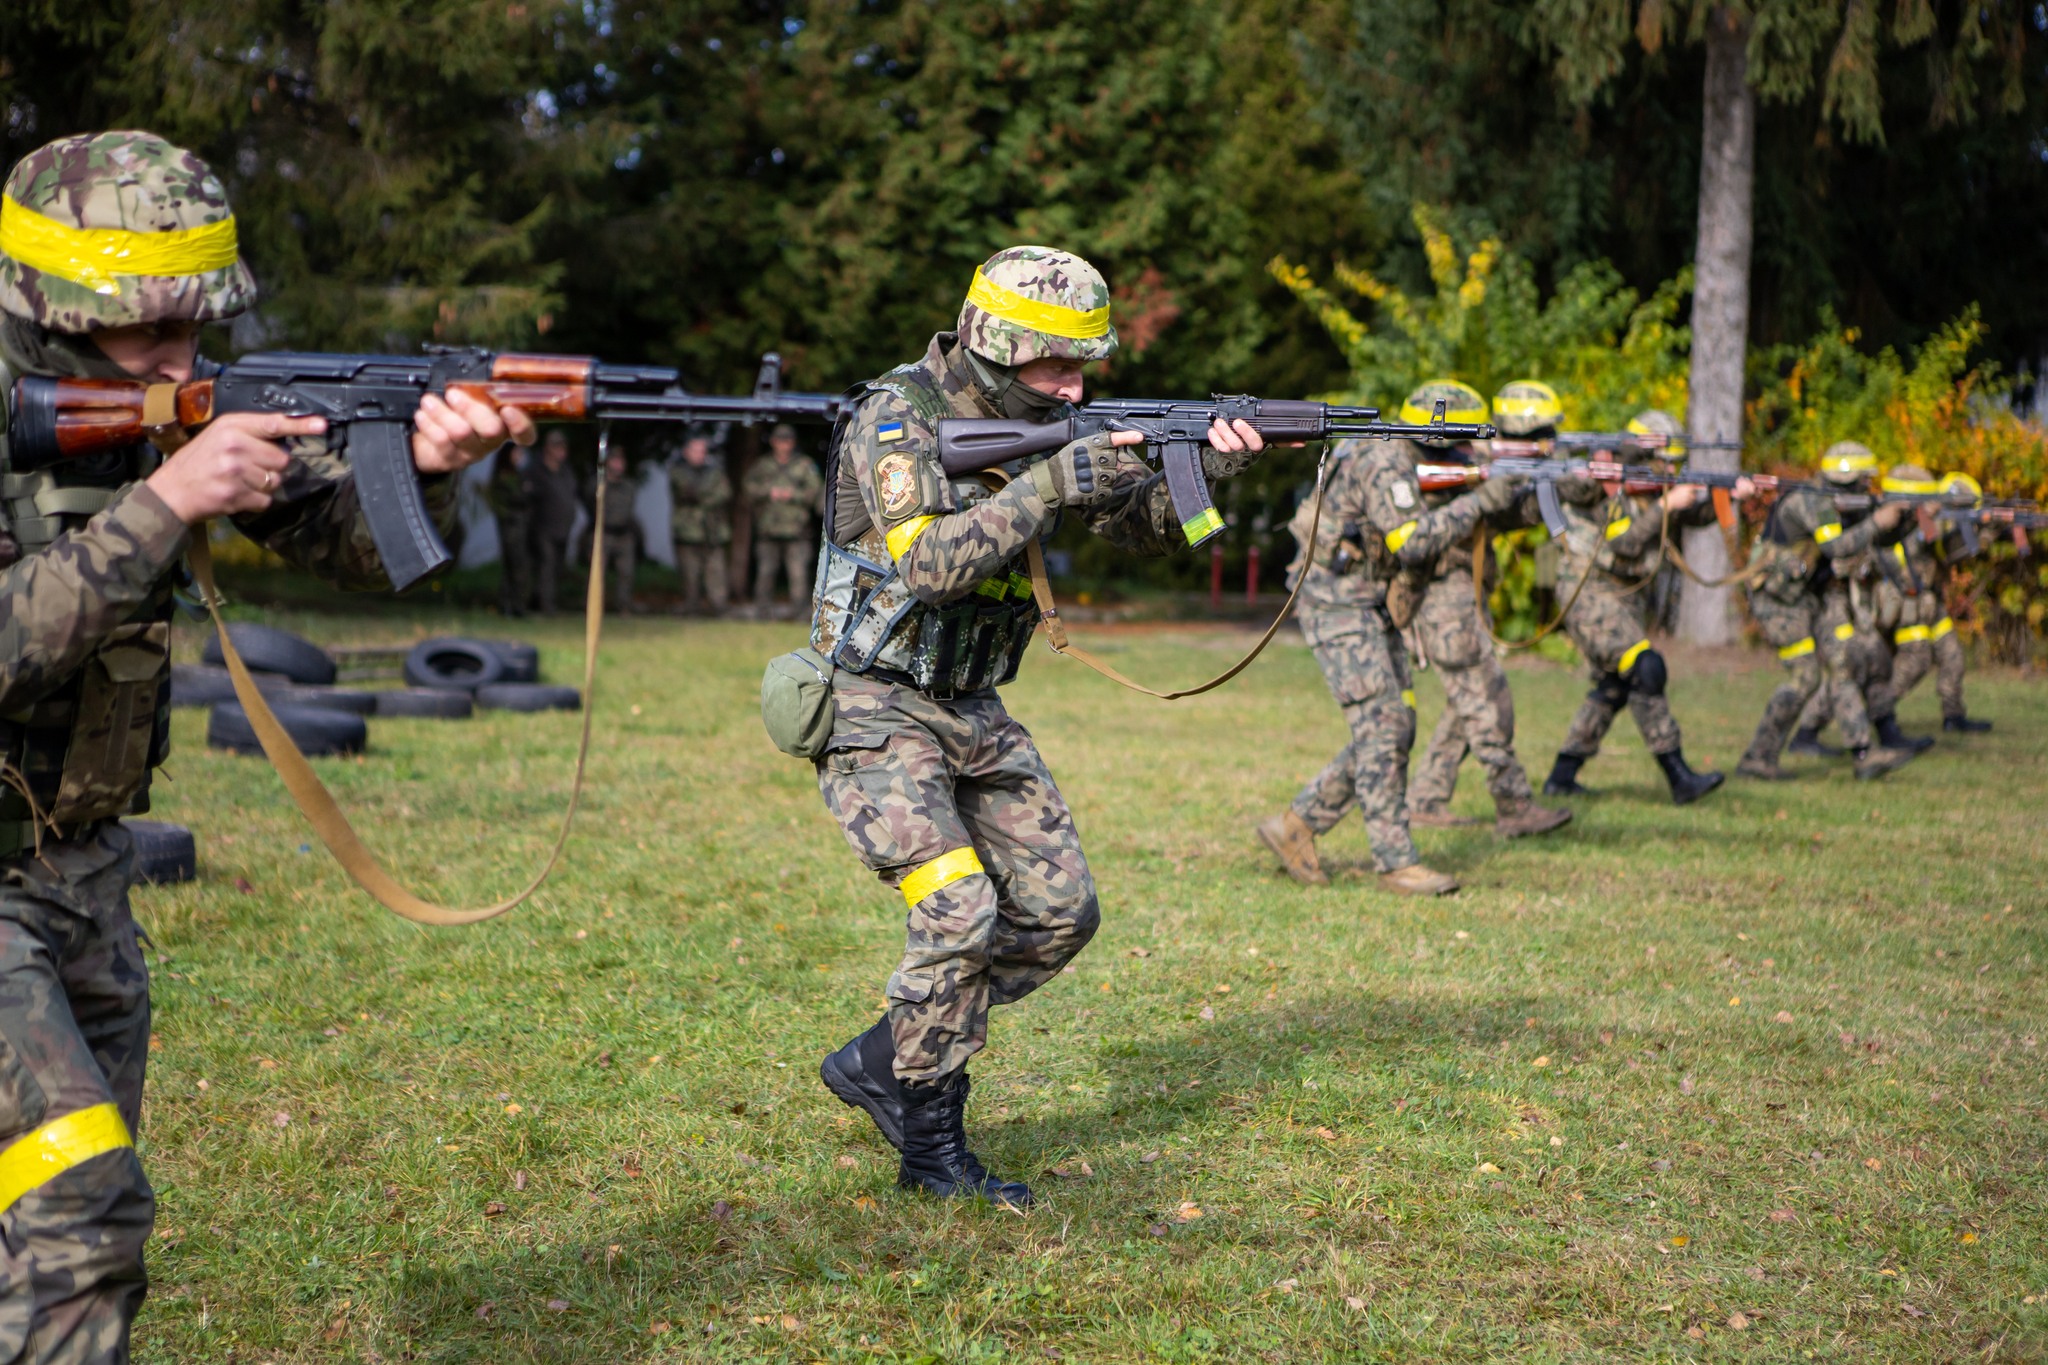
510	494
924	608
782	491
701	524
91	553
621	533
554	519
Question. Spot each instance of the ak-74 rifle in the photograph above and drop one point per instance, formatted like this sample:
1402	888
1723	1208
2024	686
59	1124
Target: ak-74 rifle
369	402
1178	430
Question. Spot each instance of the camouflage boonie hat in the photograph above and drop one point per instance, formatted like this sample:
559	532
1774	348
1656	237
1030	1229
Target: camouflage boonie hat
1847	462
1525	407
1657	422
1031	303
112	229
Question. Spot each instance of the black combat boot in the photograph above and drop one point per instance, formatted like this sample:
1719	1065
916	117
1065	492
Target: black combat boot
863	1073
1892	737
935	1155
1964	725
1806	741
1564	777
1687	786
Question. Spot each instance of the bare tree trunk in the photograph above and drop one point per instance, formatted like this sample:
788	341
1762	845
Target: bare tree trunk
1720	304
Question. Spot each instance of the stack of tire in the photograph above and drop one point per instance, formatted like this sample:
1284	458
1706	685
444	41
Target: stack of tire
295	676
500	675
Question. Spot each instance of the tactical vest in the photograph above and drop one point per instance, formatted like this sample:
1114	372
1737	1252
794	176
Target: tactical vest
865	618
84	750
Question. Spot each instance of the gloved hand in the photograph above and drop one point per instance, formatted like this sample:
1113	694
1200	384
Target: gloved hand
1080	474
1498	494
1888	514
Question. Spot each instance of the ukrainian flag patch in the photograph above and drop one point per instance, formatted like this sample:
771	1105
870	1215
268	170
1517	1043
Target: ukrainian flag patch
889	431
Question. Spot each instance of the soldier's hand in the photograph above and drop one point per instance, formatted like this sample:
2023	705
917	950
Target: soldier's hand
231	467
1234	447
1682	497
455	432
1888	515
1081	473
1498	493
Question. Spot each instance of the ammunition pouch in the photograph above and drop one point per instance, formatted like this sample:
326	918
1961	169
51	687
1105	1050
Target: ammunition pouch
1404	597
868	621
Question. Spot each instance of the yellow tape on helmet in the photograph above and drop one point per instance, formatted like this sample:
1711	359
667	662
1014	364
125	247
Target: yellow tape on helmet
1051	318
95	257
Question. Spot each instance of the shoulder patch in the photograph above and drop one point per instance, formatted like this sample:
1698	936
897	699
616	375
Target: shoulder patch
1404	495
889	431
896	480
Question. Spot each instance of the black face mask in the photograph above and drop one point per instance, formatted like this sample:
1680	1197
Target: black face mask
1018	400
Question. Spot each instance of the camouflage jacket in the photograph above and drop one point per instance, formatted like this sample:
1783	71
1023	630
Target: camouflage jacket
619	518
1379	525
554	499
1620	535
1806	536
786	518
703	503
510	491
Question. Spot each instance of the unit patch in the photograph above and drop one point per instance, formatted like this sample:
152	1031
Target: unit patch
1404	496
896	481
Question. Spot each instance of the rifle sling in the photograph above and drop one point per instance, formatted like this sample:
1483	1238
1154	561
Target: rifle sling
1056	630
318	803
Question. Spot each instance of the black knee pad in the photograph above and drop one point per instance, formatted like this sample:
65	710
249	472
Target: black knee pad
1610	689
1649	675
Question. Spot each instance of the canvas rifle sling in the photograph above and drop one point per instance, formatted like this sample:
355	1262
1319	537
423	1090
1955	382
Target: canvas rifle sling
318	803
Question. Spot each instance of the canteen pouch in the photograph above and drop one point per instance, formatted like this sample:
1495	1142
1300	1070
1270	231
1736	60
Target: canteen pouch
114	736
796	702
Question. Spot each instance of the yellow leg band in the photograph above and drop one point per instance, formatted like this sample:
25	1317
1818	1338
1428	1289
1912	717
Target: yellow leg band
1941	628
1628	660
1619	527
940	872
56	1147
1408	697
1798	649
1845	631
905	535
1909	635
1398	537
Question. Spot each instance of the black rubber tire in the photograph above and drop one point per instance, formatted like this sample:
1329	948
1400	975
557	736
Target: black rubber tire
324	698
266	649
314	729
528	697
438	703
164	852
200	685
451	663
521	660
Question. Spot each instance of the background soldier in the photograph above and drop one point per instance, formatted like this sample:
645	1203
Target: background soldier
1376	530
554	518
1614	547
925	610
1451	634
1802	607
1912	604
782	490
702	524
84	669
510	494
621	533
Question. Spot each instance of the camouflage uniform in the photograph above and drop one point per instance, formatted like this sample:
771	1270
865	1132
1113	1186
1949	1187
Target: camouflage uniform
621	540
1911	611
937	789
510	494
1376	525
554	522
702	527
85	606
782	526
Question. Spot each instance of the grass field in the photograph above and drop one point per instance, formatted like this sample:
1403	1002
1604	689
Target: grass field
1758	1079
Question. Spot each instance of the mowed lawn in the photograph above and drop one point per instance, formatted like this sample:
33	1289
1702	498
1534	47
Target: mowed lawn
1762	1078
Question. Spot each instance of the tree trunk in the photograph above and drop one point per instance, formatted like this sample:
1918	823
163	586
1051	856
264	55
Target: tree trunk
1720	304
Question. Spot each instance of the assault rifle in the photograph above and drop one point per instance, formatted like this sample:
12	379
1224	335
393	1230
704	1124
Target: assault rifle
369	402
1178	431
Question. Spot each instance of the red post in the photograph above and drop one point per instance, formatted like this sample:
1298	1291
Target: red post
1251	574
1215	576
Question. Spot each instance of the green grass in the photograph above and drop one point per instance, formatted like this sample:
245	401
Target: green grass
1760	1078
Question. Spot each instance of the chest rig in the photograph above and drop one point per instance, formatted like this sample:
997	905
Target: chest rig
865	618
83	751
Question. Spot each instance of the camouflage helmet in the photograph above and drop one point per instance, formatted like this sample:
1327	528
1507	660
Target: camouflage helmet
1909	478
1032	303
1847	462
1526	407
1657	422
1462	403
113	229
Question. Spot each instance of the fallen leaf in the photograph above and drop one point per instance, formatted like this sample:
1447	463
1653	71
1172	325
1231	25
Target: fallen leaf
331	1033
1157	1229
485	1309
1354	1303
1326	1135
1680	1240
242	885
722	1211
1660	1165
865	1203
790	1324
847	1163
1685	1086
1079	1170
1696	1333
1872	1164
280	1119
1208	1012
1150	1157
1557	1142
1400	1104
1967	1238
1781	1215
1541	1061
265	1064
1287	1286
1913	1312
514	1109
1188	1212
558	1305
1739	1321
1782	1017
1488	1168
493	1209
656	1329
1141	952
583	933
1223	990
1734	999
518	1180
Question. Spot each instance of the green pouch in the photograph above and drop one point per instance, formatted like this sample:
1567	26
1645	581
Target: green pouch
796	702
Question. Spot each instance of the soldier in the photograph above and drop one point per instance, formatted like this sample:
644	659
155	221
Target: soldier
782	490
1802	608
510	494
1613	547
1451	634
1379	540
554	518
702	524
1912	604
924	607
93	557
621	534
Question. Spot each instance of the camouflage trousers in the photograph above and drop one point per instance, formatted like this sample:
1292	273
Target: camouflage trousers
1812	635
74	1037
1479	708
1941	655
949	803
793	557
1606	623
515	564
703	570
1366	666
